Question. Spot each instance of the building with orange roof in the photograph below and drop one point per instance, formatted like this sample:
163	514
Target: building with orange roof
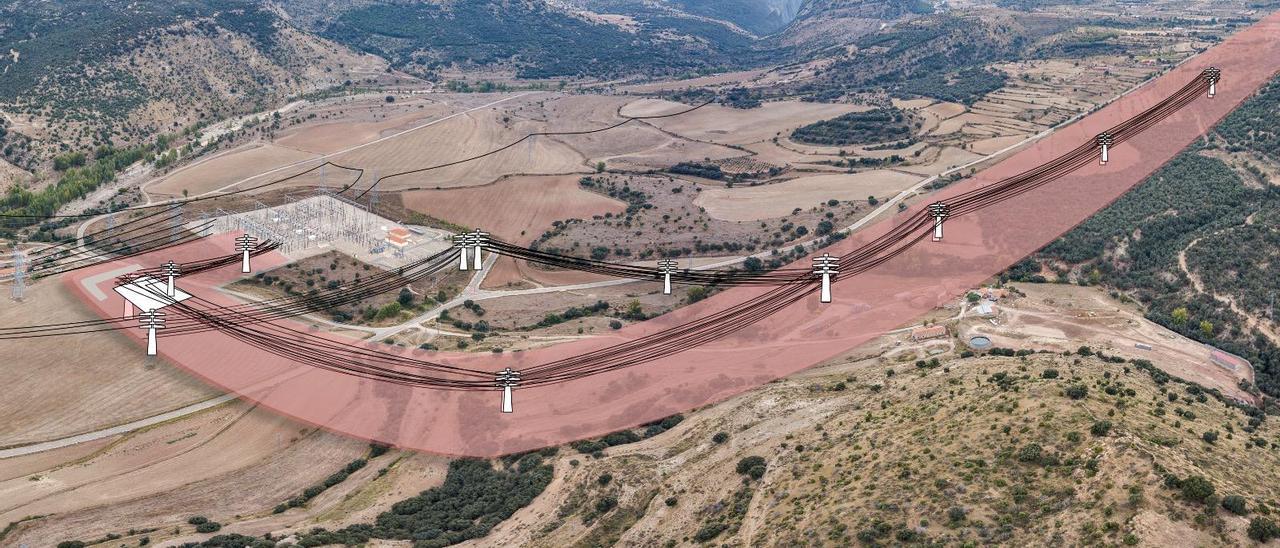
926	333
398	237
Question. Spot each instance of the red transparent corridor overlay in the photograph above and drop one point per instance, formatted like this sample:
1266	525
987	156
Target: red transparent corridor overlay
976	247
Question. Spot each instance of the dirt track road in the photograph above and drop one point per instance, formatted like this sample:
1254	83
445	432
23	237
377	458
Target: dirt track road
1252	321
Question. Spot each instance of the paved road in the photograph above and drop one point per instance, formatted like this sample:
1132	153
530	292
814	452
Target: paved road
116	430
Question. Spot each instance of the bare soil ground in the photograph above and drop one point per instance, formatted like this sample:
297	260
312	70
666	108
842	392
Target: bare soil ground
332	125
225	169
1063	317
511	274
779	199
942	160
733	126
11	174
359	499
66	389
517	209
229	461
994	144
28	465
361	125
462	137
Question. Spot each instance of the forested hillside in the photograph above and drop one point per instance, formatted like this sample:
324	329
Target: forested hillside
825	23
857	128
757	17
87	73
1197	242
942	56
534	39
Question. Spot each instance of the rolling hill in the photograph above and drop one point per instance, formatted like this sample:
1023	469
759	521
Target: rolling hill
536	39
80	73
821	24
1038	450
83	73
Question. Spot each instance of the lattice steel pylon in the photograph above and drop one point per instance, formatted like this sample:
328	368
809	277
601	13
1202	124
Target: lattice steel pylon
175	224
110	233
203	225
19	289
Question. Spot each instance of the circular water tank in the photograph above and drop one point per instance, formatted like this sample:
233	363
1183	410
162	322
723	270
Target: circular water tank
979	342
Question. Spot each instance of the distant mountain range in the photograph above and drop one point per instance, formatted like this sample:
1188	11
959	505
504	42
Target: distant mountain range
533	38
825	23
600	38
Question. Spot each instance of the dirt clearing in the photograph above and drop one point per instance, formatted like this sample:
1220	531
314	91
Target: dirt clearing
331	137
68	388
518	210
226	169
725	125
779	199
